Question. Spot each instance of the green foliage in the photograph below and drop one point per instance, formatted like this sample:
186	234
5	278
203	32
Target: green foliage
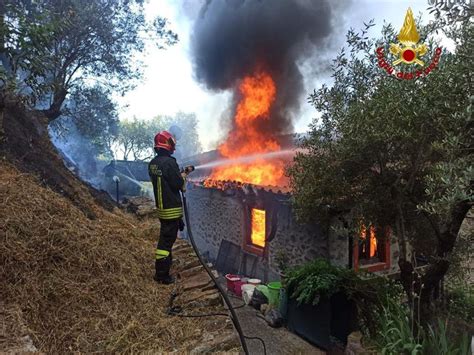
460	303
95	116
135	137
396	335
394	152
189	143
310	282
380	137
25	39
52	46
318	279
438	341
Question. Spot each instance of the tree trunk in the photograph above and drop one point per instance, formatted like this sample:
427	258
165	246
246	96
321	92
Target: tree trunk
420	288
54	111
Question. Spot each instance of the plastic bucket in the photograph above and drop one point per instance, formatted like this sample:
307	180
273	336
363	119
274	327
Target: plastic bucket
264	289
238	287
254	282
247	292
231	282
274	293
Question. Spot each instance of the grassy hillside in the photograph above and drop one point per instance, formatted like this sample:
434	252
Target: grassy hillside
76	283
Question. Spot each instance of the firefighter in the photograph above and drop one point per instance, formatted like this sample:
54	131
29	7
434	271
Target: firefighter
167	182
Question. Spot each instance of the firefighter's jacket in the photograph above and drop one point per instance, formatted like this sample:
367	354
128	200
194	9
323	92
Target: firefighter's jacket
167	183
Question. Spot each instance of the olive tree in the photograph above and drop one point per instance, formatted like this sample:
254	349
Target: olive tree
50	47
394	152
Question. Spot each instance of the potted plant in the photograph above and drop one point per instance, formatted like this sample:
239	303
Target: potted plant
318	307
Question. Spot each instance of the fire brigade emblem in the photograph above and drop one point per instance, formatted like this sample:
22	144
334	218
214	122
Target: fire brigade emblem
408	50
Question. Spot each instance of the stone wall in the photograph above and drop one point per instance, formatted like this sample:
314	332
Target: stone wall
218	215
301	242
214	216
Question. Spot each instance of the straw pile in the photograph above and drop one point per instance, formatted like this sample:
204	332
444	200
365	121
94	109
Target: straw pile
80	284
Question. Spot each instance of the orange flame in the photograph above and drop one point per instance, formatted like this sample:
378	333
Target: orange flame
258	227
373	239
258	93
373	242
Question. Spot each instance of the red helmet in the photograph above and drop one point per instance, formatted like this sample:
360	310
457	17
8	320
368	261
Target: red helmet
165	140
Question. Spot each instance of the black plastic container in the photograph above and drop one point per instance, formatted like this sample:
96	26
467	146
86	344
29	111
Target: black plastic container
318	324
312	323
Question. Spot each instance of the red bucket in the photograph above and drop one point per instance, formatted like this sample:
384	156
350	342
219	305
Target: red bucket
233	283
238	287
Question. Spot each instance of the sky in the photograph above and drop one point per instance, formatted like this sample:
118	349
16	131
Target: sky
169	86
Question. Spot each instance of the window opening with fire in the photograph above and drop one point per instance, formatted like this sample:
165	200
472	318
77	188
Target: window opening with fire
254	241
372	249
257	235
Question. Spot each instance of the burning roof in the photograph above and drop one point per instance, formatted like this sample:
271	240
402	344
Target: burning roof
246	188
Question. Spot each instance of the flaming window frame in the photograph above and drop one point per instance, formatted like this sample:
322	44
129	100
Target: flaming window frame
379	266
247	243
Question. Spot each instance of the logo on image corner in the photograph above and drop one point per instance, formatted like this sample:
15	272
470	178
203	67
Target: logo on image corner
408	51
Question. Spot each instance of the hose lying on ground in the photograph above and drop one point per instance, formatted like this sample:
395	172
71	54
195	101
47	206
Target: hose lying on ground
233	315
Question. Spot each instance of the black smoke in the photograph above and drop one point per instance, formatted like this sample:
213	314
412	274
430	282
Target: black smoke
232	38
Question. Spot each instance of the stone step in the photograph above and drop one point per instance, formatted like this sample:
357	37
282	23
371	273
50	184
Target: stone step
200	281
181	245
218	342
200	298
194	294
190	264
191	272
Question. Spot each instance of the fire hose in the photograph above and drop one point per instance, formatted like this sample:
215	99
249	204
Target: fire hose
233	315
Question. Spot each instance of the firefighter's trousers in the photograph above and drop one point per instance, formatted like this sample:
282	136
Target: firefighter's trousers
163	257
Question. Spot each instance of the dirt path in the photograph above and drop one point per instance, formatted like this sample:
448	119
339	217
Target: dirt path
277	340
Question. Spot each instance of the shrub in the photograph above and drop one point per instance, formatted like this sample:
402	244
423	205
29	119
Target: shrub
460	303
310	282
319	279
396	335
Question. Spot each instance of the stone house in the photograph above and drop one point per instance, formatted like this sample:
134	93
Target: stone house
252	230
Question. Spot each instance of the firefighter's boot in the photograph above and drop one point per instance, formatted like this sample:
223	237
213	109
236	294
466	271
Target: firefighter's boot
162	267
166	280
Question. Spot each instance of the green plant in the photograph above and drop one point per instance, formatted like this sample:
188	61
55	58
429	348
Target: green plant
460	302
397	153
310	282
396	336
316	279
438	341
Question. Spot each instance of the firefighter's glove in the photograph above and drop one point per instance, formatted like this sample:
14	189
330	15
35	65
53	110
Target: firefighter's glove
181	224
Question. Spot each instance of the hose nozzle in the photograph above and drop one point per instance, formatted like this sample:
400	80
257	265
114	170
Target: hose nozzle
188	169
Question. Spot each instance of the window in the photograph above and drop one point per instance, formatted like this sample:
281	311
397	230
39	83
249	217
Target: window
255	241
371	249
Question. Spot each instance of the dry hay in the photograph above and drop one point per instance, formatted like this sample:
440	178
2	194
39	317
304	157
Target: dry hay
80	284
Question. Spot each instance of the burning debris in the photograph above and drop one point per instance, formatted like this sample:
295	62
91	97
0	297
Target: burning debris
245	188
253	48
